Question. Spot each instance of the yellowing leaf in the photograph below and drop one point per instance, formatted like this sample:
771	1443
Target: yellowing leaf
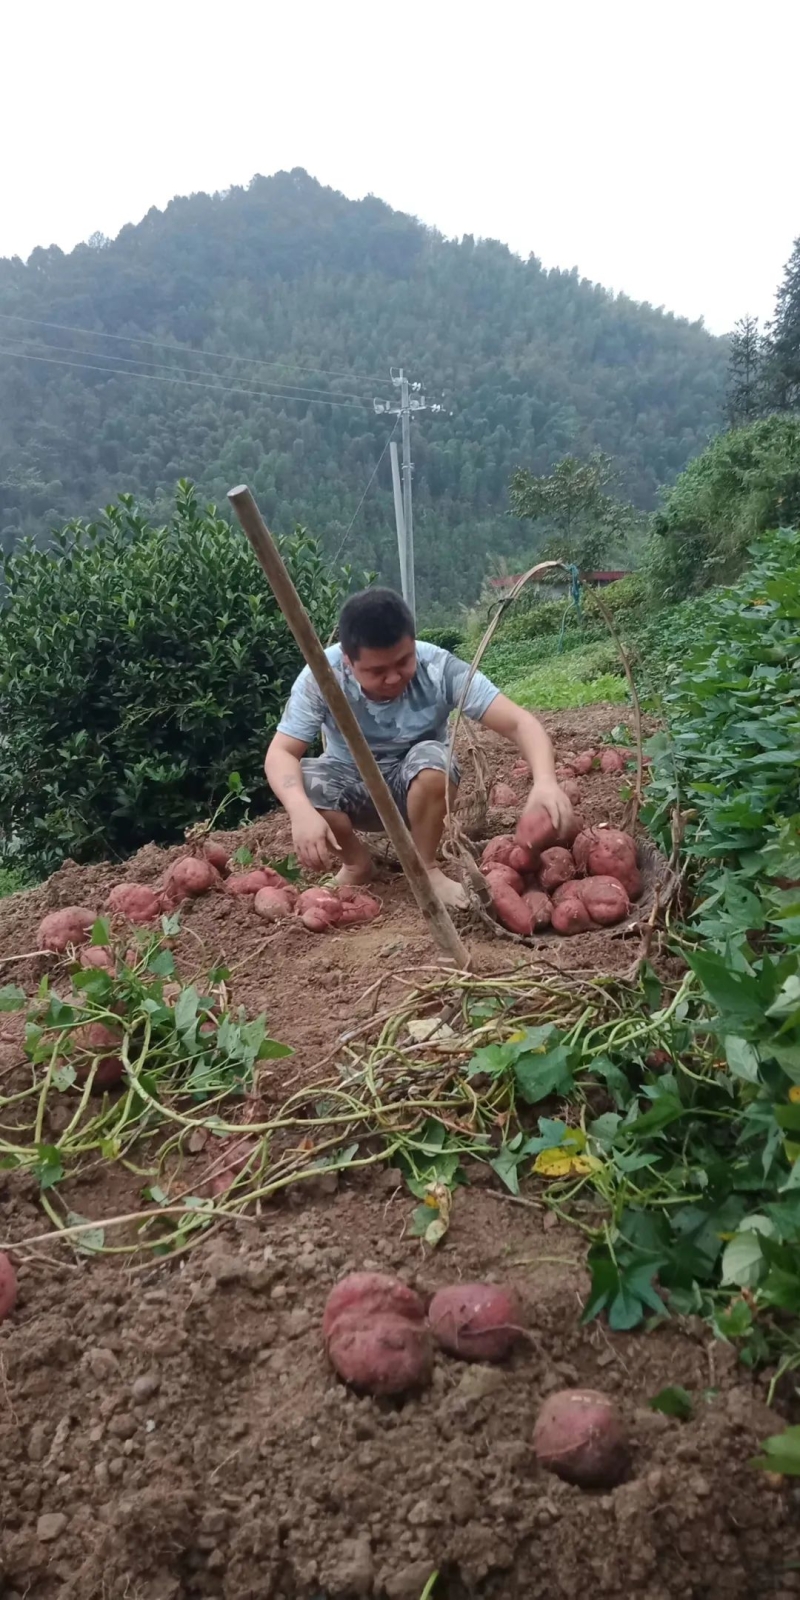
516	1038
560	1162
794	1092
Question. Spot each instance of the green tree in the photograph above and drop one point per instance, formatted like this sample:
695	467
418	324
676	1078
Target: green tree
783	350
584	521
745	390
748	480
139	667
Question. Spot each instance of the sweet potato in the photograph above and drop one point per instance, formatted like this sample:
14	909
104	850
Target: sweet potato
273	904
541	907
510	907
237	1155
580	1435
8	1286
605	900
188	877
555	867
536	831
612	761
570	915
503	797
520	769
564	772
385	1355
96	1039
572	789
71	925
514	879
319	909
476	1321
583	763
97	955
214	851
370	1294
136	901
357	906
508	853
609	853
257	878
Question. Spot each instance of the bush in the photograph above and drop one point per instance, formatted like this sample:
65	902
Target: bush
747	481
139	667
446	638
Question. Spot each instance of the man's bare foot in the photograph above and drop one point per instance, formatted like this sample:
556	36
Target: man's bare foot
449	892
360	869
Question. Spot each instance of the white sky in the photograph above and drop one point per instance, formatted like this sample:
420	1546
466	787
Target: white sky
655	144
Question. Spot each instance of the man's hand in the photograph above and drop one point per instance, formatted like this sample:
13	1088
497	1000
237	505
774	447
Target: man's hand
547	793
315	845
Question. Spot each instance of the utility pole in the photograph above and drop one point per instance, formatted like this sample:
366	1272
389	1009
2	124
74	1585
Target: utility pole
411	399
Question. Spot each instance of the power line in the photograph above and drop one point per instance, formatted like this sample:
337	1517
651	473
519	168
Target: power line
153	377
372	475
194	372
215	355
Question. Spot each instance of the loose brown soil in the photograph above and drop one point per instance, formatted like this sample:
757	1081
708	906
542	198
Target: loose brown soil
175	1431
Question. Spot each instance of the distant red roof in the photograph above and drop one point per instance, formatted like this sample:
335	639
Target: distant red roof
588	577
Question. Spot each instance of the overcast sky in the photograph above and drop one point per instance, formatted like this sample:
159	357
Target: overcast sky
653	145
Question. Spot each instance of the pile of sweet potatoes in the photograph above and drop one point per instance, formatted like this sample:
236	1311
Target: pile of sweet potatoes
380	1339
206	869
572	884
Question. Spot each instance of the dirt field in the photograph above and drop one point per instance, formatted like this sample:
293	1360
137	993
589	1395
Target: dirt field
174	1431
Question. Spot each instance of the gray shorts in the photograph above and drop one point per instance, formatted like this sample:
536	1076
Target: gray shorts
333	785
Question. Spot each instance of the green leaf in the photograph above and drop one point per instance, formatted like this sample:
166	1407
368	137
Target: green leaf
538	1076
63	1077
49	1168
161	964
734	993
673	1402
506	1165
781	1453
101	932
741	1057
185	1010
742	1260
12	998
90	1239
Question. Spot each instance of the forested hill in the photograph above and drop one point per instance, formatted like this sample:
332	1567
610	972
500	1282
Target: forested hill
285	292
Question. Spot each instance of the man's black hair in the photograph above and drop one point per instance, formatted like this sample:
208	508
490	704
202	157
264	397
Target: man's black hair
375	619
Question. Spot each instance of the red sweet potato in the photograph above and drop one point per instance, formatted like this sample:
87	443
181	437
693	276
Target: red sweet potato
215	852
136	901
605	899
520	769
541	907
583	763
237	1155
97	955
555	867
93	1040
71	925
357	906
384	1355
273	904
257	878
612	761
370	1294
579	1435
8	1286
188	877
572	789
503	797
564	772
507	852
570	915
514	879
476	1321
609	853
509	906
536	831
